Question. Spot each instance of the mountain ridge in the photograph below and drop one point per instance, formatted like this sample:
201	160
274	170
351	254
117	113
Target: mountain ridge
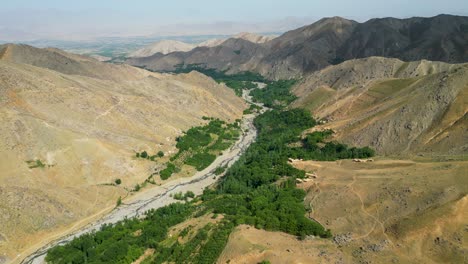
330	41
377	102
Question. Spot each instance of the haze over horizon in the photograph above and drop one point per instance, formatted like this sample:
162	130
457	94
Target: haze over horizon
81	20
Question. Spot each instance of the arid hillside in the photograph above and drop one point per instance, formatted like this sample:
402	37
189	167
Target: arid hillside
163	46
70	127
393	106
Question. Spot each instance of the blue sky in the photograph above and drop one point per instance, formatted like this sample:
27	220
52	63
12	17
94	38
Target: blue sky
91	18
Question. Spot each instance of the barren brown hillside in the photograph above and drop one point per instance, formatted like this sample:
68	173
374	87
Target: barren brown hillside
79	123
394	106
386	211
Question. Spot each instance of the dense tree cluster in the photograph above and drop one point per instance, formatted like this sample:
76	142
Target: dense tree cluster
259	189
199	146
123	242
276	94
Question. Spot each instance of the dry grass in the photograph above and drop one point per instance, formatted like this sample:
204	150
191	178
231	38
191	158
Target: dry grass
387	211
86	120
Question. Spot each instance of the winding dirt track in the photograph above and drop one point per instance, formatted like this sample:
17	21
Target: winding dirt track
160	196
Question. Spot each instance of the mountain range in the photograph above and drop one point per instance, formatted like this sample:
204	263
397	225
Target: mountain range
328	41
169	46
71	126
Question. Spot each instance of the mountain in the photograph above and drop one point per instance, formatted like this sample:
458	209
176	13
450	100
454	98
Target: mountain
305	49
233	51
169	46
255	38
331	41
163	46
393	106
70	126
211	42
440	38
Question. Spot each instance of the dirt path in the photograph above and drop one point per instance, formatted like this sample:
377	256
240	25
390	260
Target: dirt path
363	209
158	197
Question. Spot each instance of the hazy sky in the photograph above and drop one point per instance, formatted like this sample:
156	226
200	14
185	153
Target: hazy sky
93	18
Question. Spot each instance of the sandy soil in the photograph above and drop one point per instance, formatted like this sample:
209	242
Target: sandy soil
387	211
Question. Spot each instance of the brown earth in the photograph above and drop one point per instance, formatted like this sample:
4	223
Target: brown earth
387	211
84	120
396	107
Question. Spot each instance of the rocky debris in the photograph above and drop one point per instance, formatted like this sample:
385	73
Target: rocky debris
363	160
377	247
3	260
342	239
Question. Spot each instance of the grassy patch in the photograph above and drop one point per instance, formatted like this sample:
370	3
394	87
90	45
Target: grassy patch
35	164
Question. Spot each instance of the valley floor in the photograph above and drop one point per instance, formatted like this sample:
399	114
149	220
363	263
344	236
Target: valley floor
157	197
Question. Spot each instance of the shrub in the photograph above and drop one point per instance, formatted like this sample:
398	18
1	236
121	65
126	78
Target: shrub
137	187
168	171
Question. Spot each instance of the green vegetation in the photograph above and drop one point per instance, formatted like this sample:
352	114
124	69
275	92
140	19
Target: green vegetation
199	146
137	187
259	190
314	147
168	171
118	181
186	196
252	109
219	170
119	201
35	164
204	247
200	160
145	155
276	94
120	243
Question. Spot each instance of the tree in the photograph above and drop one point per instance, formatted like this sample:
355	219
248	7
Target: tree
160	154
144	154
137	187
118	181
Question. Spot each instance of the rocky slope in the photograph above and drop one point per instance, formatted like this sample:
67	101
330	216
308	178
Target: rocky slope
84	120
330	41
394	106
163	46
168	46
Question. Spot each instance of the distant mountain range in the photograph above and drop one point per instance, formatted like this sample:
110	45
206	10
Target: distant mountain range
326	42
169	46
